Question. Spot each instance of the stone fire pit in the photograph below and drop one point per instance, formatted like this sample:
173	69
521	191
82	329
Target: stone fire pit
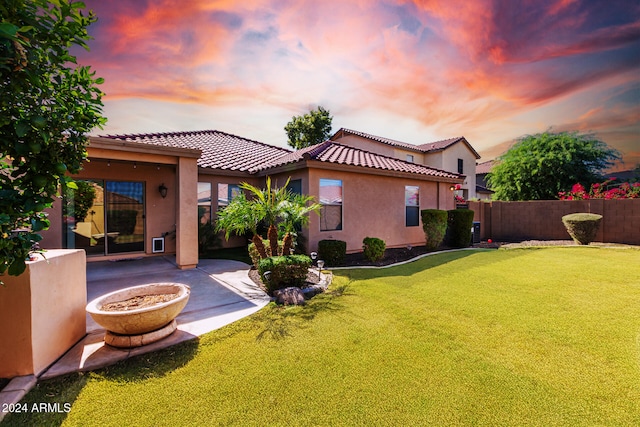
139	315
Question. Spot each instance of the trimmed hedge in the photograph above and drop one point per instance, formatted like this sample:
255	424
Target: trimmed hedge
332	252
434	224
373	248
582	227
460	222
290	270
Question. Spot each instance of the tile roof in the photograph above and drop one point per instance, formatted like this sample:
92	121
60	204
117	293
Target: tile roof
220	150
484	167
336	153
423	148
225	151
439	145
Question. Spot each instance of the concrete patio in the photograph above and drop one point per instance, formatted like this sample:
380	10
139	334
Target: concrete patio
221	293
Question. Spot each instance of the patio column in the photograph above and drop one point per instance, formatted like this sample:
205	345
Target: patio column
187	213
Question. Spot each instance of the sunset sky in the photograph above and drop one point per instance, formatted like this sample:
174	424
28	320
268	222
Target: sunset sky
415	71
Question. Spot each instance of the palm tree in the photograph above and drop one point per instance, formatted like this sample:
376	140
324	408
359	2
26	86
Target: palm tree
269	204
295	213
239	217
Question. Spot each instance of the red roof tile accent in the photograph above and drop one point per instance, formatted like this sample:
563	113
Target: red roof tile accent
333	152
220	150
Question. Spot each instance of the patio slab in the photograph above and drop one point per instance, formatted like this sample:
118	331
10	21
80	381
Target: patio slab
221	293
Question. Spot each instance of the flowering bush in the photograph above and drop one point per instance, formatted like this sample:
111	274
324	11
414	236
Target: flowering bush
602	191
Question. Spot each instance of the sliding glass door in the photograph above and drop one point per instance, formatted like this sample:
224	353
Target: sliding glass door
105	217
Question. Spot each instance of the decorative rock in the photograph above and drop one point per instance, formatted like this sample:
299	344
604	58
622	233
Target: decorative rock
289	296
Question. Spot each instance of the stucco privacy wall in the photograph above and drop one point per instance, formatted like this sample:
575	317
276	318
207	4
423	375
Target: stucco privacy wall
42	312
374	206
542	220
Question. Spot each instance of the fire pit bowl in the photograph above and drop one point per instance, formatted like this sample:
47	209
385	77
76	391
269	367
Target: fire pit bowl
127	319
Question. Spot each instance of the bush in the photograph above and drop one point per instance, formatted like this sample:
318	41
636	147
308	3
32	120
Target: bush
332	252
373	248
582	227
290	270
460	222
434	224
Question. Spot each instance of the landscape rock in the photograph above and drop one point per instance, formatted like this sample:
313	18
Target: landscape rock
289	296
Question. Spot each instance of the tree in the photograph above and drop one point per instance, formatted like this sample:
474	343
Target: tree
540	166
271	204
46	107
309	129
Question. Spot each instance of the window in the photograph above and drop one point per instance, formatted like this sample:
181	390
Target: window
226	193
204	202
295	186
460	166
331	201
410	158
412	205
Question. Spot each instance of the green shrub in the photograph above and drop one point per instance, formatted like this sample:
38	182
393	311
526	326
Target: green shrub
460	222
332	252
373	248
582	227
434	224
290	270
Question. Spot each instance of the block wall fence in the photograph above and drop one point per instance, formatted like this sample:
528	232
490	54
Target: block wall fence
542	220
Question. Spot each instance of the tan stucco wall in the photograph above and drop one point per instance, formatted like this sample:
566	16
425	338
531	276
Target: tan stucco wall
373	206
187	216
450	163
367	144
42	312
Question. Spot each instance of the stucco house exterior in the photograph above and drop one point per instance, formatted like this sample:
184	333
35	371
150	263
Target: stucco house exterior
453	154
483	192
150	192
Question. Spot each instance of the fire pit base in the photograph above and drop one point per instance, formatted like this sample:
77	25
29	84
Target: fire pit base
129	341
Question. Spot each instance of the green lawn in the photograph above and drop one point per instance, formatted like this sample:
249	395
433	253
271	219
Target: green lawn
543	337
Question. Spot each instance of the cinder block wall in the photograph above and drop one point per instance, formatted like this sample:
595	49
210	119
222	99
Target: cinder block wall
542	220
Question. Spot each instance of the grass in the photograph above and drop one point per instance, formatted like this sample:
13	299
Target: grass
547	337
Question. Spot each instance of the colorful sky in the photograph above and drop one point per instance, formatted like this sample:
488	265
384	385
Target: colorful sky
411	70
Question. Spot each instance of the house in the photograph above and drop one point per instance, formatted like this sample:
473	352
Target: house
152	190
483	192
453	155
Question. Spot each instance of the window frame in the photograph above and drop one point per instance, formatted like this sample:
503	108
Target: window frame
414	208
341	204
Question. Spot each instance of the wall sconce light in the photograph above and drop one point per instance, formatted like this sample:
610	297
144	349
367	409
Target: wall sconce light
452	188
163	190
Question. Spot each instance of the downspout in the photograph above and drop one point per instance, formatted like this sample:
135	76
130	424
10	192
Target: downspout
438	196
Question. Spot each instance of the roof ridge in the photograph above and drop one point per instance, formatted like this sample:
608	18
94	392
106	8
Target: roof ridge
186	133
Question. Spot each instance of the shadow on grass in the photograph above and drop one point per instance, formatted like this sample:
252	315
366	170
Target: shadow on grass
155	364
48	403
51	400
281	321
